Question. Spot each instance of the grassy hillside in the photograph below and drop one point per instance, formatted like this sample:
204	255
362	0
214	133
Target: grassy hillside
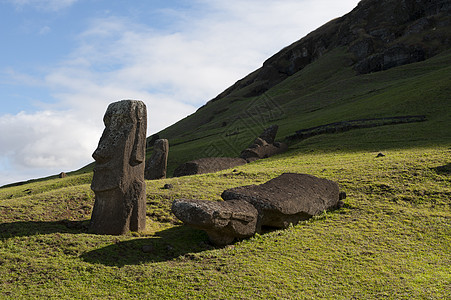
392	239
326	91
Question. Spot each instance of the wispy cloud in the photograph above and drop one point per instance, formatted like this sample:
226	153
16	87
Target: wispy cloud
45	5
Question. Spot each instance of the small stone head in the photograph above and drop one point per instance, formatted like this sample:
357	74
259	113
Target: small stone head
122	145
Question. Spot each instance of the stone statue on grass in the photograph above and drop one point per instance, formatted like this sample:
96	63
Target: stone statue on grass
156	166
118	182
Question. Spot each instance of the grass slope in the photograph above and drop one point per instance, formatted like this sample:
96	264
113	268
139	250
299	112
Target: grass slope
326	91
392	238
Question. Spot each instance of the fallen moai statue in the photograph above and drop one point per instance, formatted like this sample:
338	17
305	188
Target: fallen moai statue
282	201
260	149
264	146
289	198
208	165
223	221
156	165
118	181
269	134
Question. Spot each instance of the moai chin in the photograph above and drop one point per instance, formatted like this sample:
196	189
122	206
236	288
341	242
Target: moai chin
118	182
156	166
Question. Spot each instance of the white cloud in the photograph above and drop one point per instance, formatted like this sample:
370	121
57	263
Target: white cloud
45	30
173	71
45	5
50	141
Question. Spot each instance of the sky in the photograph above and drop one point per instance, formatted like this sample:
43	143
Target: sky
63	61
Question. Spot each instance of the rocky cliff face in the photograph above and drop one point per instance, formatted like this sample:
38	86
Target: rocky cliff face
380	34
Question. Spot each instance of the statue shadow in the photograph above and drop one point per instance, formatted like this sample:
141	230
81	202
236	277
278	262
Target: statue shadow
162	246
444	170
30	228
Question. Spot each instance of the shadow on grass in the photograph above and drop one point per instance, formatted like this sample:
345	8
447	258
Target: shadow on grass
30	228
162	246
446	169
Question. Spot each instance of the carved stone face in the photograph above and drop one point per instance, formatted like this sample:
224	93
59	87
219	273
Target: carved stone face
120	146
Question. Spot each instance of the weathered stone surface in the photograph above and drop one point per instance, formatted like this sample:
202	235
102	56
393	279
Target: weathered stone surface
156	166
259	142
268	150
118	182
369	29
223	221
208	165
269	134
288	198
264	146
150	142
168	186
394	56
62	175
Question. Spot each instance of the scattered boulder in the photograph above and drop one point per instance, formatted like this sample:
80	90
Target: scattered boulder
342	195
118	181
148	248
62	175
289	198
156	166
223	221
380	155
208	165
168	186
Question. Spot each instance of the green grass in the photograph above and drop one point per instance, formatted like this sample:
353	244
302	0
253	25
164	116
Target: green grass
392	239
324	92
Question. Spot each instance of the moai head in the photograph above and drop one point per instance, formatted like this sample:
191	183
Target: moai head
122	145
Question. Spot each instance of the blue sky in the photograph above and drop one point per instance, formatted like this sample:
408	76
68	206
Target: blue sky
63	61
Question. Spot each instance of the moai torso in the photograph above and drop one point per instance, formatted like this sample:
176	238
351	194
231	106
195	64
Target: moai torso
118	182
157	164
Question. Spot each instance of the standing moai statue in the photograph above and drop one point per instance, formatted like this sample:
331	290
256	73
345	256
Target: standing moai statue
157	164
118	182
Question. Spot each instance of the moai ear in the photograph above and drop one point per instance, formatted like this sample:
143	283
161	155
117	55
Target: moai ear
139	148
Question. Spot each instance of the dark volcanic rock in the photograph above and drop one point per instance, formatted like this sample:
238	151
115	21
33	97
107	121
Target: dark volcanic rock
380	34
150	142
264	146
265	151
288	198
62	175
269	134
168	186
157	164
208	165
223	221
394	56
118	181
